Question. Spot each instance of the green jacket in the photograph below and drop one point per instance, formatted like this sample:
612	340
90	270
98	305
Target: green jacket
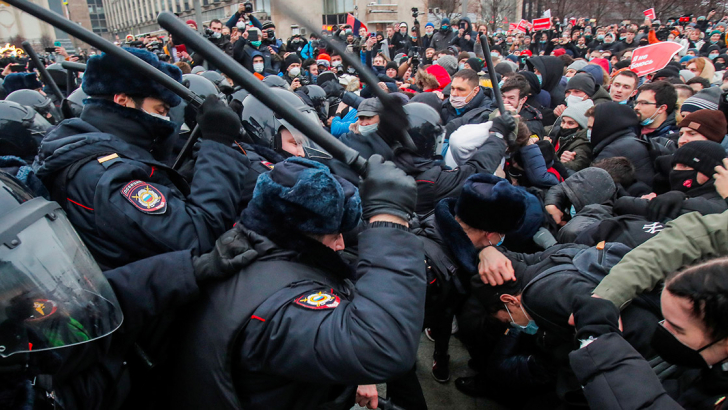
683	242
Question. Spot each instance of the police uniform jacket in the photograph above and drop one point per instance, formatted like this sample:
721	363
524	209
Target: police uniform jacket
123	202
290	329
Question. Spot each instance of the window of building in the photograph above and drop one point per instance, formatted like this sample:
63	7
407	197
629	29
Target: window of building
338	6
262	5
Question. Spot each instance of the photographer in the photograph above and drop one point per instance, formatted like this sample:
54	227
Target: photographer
214	34
249	46
269	38
465	39
244	13
292	70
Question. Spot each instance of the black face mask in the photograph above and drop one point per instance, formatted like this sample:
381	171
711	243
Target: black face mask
683	180
565	132
675	352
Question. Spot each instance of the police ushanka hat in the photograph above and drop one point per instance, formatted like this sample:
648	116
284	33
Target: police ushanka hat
491	204
303	195
108	75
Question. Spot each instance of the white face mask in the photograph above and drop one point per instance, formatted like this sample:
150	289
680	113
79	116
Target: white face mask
156	115
258	67
294	72
240	25
368	129
336	63
460	102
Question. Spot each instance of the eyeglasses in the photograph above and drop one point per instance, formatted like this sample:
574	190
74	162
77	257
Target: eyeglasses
645	103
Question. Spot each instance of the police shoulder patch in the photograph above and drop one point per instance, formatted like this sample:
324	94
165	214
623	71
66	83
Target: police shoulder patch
318	300
145	197
267	164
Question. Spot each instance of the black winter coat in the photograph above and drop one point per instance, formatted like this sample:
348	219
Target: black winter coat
290	329
704	199
132	207
625	144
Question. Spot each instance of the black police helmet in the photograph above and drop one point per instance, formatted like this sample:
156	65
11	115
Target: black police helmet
221	82
274	81
262	125
425	128
13	114
58	74
200	85
38	102
73	104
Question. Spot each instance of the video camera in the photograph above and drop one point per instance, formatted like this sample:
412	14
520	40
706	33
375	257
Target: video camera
271	34
414	54
248	7
415	12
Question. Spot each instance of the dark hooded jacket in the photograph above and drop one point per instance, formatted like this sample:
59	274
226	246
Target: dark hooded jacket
462	42
103	196
539	99
601	95
483	99
578	143
613	136
441	40
551	69
704	199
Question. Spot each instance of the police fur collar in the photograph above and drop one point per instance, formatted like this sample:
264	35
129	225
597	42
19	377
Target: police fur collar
308	251
134	126
457	241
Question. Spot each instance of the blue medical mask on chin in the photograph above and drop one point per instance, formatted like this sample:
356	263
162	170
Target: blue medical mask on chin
588	134
502	238
530	329
648	121
540	79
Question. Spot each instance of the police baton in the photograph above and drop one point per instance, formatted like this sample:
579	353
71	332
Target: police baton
365	74
491	74
42	70
71	69
144	69
76	30
257	89
69	65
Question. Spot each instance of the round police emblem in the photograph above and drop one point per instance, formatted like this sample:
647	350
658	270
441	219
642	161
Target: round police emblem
318	300
145	197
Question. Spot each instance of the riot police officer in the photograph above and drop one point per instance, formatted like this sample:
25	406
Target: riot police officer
108	168
290	330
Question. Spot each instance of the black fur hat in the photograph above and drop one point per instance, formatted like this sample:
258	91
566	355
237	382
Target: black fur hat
107	75
491	204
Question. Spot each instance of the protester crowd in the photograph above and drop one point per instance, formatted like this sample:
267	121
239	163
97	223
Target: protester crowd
575	243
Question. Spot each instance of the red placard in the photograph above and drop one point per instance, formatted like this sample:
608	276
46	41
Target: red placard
541	24
572	21
523	26
653	57
650	13
512	27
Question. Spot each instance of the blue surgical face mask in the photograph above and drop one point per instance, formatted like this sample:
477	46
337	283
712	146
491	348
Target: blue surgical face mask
623	102
500	83
588	134
461	66
572	211
530	329
368	129
600	37
648	121
255	43
502	238
712	56
540	79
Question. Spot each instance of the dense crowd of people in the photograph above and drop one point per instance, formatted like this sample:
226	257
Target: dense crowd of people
574	241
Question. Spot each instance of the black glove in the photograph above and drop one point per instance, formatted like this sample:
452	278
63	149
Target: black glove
333	89
393	122
506	126
386	189
665	206
218	122
594	317
231	253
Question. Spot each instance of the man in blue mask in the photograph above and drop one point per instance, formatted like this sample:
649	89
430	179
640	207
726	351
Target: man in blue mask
655	107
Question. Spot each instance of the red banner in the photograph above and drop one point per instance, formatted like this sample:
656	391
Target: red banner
654	57
541	24
523	26
572	21
512	27
650	13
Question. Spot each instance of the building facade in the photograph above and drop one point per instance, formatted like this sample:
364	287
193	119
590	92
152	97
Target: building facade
139	16
14	22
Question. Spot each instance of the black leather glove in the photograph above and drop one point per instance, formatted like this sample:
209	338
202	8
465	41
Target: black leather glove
594	317
218	122
333	89
232	252
386	189
504	124
665	206
393	122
